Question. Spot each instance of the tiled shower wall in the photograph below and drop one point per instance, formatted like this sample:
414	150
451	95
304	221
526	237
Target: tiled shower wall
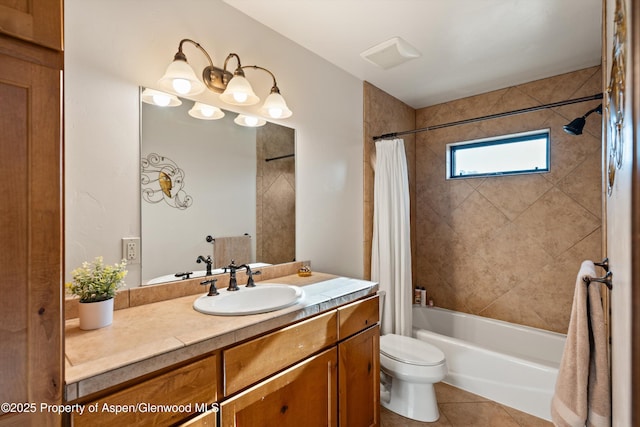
384	114
510	247
276	196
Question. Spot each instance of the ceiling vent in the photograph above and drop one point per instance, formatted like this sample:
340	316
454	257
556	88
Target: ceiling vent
390	53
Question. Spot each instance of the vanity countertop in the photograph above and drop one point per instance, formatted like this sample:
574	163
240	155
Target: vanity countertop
149	337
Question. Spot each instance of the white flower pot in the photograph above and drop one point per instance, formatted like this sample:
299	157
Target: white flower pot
94	315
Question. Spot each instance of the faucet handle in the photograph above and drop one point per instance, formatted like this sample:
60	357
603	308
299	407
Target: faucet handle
250	282
185	275
213	291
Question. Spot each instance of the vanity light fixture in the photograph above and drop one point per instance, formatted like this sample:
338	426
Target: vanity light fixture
234	88
161	99
205	112
249	121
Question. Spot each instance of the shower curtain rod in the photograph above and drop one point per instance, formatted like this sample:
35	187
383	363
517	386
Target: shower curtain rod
491	116
279	157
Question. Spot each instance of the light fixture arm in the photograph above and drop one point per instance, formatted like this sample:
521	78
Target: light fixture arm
238	71
233	87
274	88
214	78
181	56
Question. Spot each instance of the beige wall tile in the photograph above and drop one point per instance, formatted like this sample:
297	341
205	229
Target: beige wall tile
514	194
503	247
557	222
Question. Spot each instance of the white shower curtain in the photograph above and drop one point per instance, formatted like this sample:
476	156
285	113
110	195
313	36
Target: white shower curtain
391	245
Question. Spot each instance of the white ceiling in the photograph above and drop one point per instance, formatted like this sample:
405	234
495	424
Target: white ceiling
468	46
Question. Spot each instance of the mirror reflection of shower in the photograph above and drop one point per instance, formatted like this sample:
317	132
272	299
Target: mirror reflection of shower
230	188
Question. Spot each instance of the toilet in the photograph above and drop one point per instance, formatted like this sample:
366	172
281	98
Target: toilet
409	368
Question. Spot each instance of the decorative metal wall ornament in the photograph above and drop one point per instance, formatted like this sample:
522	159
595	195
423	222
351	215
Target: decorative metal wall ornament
615	108
162	179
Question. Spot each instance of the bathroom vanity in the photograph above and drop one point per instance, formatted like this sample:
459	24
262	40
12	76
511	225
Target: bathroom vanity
166	364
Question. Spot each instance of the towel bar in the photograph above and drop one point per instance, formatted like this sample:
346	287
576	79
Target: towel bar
604	264
606	280
211	239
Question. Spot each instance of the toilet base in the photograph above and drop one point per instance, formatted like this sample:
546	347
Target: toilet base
412	400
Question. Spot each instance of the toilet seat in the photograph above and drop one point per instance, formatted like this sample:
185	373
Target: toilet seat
410	350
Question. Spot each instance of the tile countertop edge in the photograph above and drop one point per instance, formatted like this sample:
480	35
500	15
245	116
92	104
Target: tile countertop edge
90	377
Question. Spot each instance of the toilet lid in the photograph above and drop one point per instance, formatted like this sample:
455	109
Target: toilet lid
410	350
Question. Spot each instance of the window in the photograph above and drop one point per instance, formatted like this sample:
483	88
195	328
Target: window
520	153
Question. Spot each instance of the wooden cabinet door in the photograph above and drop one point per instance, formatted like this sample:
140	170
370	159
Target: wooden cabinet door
31	236
303	395
37	21
207	419
359	376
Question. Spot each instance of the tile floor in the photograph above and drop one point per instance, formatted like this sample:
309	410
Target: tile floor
459	408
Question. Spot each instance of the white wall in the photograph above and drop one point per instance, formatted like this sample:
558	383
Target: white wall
114	46
218	160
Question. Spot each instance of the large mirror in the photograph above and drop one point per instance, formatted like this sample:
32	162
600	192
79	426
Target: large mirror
213	178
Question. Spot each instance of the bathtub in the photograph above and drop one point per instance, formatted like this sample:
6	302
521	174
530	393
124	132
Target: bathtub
511	364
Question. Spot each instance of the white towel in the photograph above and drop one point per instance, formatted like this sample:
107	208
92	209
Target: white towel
582	393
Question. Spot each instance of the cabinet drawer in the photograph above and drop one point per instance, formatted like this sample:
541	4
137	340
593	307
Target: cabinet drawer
357	316
191	386
254	360
304	395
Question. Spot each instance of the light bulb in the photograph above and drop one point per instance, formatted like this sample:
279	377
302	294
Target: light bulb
182	86
276	113
275	106
207	110
161	99
240	97
249	121
239	92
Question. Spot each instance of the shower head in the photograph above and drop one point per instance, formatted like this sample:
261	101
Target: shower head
576	125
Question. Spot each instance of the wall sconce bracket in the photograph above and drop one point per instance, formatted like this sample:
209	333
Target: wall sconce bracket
215	78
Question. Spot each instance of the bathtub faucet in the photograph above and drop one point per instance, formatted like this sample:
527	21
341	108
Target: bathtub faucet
207	261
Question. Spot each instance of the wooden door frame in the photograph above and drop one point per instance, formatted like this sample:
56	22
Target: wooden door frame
635	216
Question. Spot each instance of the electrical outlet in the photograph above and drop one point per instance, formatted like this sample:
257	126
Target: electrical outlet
131	250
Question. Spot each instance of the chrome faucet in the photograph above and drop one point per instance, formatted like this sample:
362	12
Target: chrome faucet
206	260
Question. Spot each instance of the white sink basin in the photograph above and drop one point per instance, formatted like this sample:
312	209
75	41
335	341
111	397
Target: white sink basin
261	299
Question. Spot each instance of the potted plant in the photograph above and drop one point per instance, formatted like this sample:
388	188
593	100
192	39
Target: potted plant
96	284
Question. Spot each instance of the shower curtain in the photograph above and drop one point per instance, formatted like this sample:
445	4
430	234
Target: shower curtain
391	245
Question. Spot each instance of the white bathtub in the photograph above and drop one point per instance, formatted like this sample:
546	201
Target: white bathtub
511	364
